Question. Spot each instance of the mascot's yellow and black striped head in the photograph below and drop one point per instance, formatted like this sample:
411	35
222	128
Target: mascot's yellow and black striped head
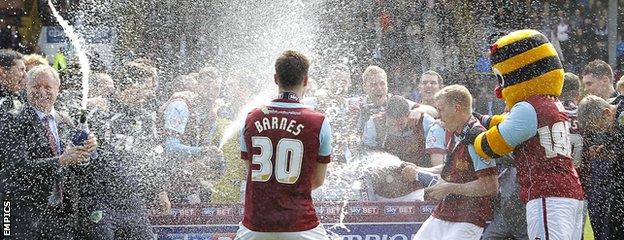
526	64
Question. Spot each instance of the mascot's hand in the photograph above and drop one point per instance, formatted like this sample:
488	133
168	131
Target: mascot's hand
471	135
477	115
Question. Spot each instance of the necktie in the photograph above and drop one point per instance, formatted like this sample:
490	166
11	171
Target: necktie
50	135
55	151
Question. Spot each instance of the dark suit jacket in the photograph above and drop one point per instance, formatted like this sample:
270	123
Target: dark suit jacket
31	168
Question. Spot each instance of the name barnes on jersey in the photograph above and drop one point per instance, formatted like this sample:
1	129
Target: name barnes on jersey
281	123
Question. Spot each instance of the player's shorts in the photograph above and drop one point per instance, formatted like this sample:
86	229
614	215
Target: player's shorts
555	218
436	229
317	233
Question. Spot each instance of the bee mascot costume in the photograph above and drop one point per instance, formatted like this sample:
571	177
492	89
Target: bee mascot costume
535	131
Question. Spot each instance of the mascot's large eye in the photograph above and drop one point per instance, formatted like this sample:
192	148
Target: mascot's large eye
499	77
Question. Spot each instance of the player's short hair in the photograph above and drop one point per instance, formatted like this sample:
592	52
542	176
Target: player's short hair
397	107
590	110
598	68
433	73
620	83
571	86
291	68
35	59
456	94
8	58
372	71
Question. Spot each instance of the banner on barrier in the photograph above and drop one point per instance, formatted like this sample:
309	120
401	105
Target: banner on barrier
363	220
355	231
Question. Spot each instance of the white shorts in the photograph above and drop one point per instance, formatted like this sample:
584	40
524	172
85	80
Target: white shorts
317	233
436	229
555	218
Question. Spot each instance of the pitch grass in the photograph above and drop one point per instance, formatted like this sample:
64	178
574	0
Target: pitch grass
588	233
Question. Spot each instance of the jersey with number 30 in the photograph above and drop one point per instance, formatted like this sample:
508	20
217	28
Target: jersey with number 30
284	141
540	131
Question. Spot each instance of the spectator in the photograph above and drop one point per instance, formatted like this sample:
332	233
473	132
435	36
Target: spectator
190	125
375	86
484	66
598	79
601	30
333	102
600	51
578	57
12	75
407	136
9	37
486	102
563	34
576	21
570	96
33	60
101	89
598	168
428	84
402	132
129	172
606	201
38	160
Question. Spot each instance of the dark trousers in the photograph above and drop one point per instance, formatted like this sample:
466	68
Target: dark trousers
599	190
116	224
51	224
509	220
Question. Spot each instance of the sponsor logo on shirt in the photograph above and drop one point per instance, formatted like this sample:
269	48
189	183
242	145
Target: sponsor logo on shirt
462	164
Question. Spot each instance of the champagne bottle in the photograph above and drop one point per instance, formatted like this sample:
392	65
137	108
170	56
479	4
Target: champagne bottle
82	133
426	179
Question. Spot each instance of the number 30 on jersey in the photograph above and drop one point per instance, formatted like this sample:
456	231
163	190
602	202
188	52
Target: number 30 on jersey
286	172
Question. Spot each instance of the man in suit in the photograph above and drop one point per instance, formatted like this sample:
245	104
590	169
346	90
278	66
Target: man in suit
36	162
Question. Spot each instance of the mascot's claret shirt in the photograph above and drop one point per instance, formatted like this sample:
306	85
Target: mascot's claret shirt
284	140
537	128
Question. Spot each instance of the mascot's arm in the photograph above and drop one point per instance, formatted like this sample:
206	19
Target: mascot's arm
518	126
489	121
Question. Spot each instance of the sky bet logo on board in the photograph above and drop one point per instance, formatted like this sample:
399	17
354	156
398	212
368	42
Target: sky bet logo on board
391	210
209	211
355	210
426	209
